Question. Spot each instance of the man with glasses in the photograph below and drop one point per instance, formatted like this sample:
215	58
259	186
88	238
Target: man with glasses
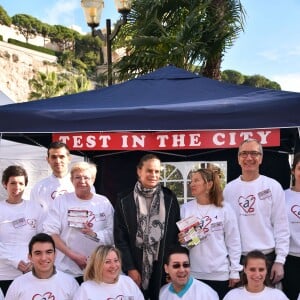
182	285
259	204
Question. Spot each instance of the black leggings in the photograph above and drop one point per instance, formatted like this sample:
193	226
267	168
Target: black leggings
290	282
4	284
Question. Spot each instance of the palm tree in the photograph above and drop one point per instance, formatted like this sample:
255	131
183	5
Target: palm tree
183	33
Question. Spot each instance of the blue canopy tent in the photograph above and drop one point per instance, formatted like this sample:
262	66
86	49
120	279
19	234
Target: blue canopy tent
167	99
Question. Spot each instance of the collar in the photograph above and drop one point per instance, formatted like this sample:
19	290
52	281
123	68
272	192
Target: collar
181	293
35	275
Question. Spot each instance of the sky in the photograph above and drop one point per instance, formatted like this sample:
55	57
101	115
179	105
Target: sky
269	45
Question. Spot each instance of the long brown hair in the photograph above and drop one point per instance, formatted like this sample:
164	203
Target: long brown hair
215	193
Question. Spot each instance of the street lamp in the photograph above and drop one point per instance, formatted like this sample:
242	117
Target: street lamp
92	11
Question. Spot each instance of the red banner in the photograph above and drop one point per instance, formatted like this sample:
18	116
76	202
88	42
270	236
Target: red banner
170	140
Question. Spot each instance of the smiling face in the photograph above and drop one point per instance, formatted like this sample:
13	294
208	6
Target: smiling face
256	271
178	270
111	267
250	158
82	181
15	188
42	257
149	173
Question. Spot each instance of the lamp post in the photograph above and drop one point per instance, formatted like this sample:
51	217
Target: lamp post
92	11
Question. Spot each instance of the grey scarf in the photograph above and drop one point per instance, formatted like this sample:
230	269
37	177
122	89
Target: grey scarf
150	226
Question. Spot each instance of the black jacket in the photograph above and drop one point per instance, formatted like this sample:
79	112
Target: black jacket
125	227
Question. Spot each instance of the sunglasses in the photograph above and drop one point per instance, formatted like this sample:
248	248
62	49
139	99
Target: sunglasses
178	265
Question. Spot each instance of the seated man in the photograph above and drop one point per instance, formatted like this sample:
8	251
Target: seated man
182	285
44	281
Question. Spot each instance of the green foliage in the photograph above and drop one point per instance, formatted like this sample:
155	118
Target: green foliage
5	19
261	82
28	26
258	81
179	32
32	47
63	36
233	76
1	38
48	85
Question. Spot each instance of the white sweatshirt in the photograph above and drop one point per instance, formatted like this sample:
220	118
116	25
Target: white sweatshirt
217	255
194	289
60	286
100	219
18	224
266	294
124	288
292	199
46	190
260	209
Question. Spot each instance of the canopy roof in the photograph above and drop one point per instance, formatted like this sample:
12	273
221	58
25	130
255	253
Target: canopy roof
167	99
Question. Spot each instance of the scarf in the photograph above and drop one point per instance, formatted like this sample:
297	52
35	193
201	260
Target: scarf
150	226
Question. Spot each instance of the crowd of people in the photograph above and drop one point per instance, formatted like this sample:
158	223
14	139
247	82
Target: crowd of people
68	242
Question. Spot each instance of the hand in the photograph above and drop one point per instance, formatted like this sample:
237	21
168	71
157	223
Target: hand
24	267
79	259
181	236
277	272
233	282
88	230
135	276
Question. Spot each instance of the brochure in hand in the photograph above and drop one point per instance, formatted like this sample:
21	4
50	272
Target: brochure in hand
190	226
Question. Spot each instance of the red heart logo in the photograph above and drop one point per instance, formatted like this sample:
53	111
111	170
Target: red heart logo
204	223
295	209
45	296
247	204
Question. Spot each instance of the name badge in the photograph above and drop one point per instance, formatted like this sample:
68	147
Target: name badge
19	223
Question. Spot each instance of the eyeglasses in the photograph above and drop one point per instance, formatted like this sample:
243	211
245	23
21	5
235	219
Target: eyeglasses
244	154
178	265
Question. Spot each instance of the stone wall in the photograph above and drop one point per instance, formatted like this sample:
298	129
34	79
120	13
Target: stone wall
18	65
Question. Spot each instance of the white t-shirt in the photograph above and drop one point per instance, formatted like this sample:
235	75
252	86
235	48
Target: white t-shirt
292	199
60	286
49	188
267	294
218	254
18	224
99	213
194	289
1	295
124	288
261	213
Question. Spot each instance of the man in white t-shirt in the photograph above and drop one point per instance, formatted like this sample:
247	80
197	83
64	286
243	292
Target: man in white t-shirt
59	182
44	281
182	286
259	204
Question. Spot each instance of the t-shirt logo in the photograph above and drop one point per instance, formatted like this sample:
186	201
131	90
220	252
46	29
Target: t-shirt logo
58	193
45	296
247	204
295	209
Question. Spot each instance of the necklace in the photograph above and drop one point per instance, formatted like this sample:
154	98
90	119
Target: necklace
203	209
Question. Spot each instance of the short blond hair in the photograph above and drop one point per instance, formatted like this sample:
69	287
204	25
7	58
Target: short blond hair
94	268
83	166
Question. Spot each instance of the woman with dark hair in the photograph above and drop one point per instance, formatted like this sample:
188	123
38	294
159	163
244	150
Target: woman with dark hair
144	225
19	221
102	278
255	282
290	282
215	260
